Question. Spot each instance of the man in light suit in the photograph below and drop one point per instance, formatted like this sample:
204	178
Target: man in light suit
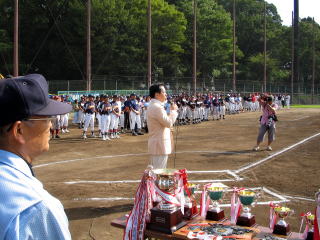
159	124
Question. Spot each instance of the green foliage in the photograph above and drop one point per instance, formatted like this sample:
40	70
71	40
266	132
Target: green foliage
53	39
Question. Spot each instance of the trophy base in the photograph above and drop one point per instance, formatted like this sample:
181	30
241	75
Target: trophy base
281	230
166	221
245	221
310	236
190	212
215	216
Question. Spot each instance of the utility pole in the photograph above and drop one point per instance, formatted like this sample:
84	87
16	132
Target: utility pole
292	56
194	77
16	40
313	59
234	48
88	65
265	49
296	42
149	44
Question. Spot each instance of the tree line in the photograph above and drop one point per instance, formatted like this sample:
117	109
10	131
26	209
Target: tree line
52	39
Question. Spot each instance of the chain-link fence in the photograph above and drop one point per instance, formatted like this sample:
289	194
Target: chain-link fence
302	91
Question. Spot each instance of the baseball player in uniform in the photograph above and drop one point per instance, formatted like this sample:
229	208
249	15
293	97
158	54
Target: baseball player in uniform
105	111
134	116
64	119
89	110
115	115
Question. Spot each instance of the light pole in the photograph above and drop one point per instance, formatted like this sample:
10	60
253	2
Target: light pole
16	40
88	66
234	48
149	45
194	75
265	50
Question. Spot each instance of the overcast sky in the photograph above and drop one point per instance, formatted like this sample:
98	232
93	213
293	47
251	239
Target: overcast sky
307	8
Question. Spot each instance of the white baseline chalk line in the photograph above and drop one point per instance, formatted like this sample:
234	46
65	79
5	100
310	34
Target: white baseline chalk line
102	182
300	198
126	155
276	154
137	181
297	119
82	159
282	199
102	199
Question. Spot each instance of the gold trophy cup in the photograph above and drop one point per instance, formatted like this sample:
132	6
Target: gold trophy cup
282	227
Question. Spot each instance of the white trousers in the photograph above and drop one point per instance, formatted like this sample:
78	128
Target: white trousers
56	123
135	119
122	120
159	161
88	121
98	116
64	120
114	122
105	123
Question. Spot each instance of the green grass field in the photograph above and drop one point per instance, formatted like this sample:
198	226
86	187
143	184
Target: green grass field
305	106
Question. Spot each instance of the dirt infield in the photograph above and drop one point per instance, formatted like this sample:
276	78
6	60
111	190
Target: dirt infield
96	180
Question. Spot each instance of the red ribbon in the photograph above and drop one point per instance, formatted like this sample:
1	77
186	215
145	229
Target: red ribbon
316	235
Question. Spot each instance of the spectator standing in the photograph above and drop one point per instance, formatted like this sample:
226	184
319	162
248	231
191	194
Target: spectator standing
27	210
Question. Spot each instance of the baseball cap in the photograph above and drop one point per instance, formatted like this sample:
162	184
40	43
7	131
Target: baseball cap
25	96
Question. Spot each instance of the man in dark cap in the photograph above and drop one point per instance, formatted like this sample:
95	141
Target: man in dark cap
27	211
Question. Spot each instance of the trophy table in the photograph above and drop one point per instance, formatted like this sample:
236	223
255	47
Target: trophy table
167	216
282	227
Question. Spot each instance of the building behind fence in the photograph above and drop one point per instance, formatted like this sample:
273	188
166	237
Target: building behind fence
302	93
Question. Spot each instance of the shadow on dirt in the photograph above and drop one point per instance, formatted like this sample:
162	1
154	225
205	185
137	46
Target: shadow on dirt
92	212
227	153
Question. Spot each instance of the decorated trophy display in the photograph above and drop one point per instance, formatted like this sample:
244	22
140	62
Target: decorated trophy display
190	206
282	227
167	217
215	193
245	198
309	229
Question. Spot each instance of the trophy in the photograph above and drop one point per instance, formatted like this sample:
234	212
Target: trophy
167	216
190	206
247	198
215	193
310	222
282	227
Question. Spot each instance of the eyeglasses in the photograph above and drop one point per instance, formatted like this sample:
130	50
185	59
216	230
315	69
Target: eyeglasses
41	119
32	119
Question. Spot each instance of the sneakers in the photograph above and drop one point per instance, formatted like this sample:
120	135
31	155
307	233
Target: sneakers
104	138
66	130
63	131
112	136
107	137
116	136
84	136
57	136
134	134
256	148
269	148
